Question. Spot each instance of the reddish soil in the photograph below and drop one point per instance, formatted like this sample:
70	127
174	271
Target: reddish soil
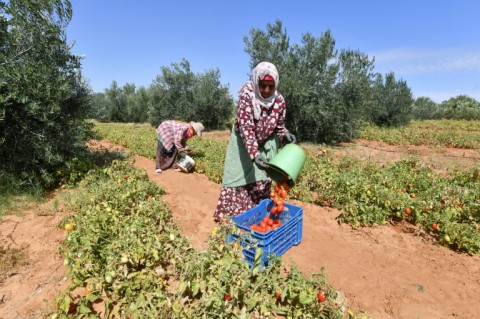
29	291
390	272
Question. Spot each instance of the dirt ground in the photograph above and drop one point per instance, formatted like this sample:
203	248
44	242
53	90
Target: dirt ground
387	271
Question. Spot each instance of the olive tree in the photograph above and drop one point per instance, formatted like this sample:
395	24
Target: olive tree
461	107
425	108
393	101
43	98
327	91
179	94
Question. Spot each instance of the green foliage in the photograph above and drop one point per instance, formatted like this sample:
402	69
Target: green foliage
116	98
393	101
138	105
180	94
99	105
436	133
126	255
43	99
172	94
211	102
176	94
209	154
121	104
367	193
425	109
461	107
326	91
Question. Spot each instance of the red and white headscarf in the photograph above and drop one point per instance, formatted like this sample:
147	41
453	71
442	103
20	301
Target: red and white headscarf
251	87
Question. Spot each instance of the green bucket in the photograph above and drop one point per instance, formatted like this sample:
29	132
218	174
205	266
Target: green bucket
287	164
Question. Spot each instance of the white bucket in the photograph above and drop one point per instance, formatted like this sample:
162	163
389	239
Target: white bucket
186	164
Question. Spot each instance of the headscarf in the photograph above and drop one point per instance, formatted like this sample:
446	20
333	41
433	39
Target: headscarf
251	87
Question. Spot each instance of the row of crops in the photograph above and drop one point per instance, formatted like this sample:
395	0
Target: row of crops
439	133
127	259
447	208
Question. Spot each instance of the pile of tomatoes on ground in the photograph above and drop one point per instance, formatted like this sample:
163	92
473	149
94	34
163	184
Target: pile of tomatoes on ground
277	195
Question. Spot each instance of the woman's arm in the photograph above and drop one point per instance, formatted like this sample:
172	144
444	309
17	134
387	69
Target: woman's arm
180	139
246	125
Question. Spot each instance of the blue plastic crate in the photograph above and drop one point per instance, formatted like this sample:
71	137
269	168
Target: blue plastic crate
276	241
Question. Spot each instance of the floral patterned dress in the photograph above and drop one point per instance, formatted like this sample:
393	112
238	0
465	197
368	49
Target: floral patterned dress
244	188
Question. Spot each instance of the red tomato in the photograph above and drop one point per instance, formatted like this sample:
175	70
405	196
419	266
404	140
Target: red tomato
279	209
278	295
435	226
263	224
227	297
272	194
269	222
408	211
273	210
283	193
321	297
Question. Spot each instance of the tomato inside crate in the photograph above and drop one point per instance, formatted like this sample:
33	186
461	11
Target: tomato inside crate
276	241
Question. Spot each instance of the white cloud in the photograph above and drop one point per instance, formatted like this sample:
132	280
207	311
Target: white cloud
409	61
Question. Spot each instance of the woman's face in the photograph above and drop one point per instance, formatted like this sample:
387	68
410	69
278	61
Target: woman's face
191	132
267	88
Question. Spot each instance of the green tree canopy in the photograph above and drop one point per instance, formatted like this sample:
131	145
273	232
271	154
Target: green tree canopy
43	99
327	91
461	107
425	108
393	101
180	94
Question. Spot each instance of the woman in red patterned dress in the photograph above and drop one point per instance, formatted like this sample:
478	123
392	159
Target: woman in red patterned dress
258	130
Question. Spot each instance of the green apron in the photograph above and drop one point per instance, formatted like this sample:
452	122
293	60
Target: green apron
239	169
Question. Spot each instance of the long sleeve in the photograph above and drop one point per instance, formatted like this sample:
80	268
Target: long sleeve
246	125
179	137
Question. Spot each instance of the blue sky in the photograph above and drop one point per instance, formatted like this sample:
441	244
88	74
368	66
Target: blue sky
433	45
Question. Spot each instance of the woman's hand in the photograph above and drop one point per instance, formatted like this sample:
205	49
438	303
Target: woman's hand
290	138
261	162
